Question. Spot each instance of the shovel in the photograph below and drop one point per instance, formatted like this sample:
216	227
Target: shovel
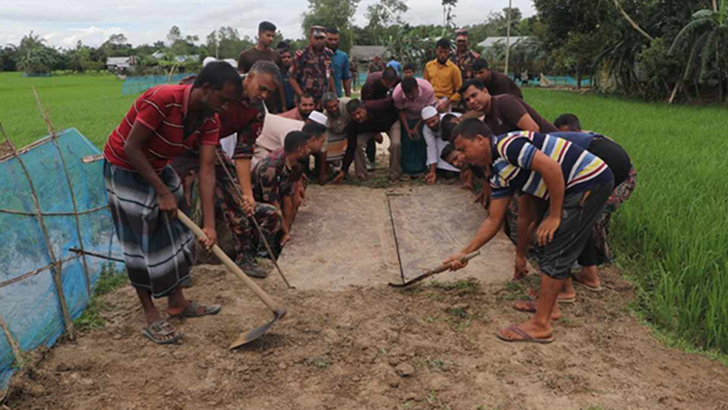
278	312
439	269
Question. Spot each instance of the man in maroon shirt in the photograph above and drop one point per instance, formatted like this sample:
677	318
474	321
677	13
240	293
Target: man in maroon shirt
496	83
144	192
503	113
262	51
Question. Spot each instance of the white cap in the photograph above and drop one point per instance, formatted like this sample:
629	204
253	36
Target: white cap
428	112
208	60
318	117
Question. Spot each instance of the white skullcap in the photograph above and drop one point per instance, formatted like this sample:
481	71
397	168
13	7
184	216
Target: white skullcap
428	112
318	117
208	60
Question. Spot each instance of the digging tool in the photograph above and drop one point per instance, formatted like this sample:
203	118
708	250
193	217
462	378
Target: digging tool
278	312
439	269
255	222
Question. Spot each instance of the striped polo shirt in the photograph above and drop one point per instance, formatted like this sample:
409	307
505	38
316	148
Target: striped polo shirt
513	155
162	109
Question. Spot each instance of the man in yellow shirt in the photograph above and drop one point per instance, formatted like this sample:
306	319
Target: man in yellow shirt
444	76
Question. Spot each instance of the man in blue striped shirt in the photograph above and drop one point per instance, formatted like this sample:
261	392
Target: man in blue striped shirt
574	186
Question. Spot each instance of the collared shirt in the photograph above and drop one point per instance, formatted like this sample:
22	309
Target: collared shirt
445	79
425	96
162	109
500	83
337	125
373	89
312	70
274	178
288	91
435	145
381	115
244	118
513	157
465	63
505	112
340	67
396	65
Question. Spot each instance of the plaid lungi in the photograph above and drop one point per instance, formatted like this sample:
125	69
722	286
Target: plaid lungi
158	249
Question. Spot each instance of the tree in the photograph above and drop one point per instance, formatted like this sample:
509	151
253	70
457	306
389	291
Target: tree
706	36
34	56
447	16
173	35
332	13
382	16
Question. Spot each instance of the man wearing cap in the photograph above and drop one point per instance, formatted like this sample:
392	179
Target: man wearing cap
311	70
464	57
496	83
262	51
432	133
304	107
410	97
444	76
339	63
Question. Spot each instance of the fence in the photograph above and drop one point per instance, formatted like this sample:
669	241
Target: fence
52	200
137	85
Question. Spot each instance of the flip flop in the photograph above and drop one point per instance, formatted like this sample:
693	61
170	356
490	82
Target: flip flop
526	337
596	289
192	310
161	328
533	294
529	307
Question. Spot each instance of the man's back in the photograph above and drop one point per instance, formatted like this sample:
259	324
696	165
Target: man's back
506	110
500	84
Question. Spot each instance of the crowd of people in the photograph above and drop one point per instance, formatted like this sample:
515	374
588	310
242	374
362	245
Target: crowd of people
246	137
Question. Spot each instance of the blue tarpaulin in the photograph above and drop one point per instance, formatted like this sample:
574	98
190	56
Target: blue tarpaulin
33	247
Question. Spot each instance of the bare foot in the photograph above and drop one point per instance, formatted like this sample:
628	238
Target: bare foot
530	307
563	296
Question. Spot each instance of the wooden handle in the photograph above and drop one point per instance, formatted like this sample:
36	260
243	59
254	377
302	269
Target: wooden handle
444	267
186	221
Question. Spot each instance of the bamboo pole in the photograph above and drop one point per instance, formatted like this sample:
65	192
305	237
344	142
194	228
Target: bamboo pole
508	36
13	343
54	140
55	262
630	21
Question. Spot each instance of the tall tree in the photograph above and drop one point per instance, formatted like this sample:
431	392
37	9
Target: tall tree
383	15
331	13
447	15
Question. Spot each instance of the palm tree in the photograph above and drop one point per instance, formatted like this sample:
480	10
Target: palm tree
33	58
707	30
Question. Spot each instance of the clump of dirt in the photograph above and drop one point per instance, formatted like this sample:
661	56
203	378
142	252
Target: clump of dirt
430	347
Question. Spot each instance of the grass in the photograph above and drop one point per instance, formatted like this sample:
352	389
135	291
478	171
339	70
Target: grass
672	235
109	280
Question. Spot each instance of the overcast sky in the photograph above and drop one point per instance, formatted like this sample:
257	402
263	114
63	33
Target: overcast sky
63	23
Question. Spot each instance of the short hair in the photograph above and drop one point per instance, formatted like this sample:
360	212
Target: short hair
295	140
266	26
217	74
328	97
305	94
283	45
473	82
389	74
447	150
570	120
353	105
409	84
443	43
332	30
470	129
447	127
480	64
267	67
410	66
314	129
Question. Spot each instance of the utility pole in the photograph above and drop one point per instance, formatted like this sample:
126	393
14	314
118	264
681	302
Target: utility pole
508	35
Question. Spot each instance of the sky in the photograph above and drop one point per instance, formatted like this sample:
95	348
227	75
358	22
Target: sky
62	24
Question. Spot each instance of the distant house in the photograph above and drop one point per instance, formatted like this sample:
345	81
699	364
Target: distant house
121	64
366	53
491	41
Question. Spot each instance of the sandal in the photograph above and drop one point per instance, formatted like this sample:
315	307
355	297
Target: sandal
158	331
596	289
533	294
529	307
193	310
526	338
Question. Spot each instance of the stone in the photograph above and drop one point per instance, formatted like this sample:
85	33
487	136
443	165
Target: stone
404	370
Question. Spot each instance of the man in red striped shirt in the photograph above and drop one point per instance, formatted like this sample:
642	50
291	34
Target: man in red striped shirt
144	192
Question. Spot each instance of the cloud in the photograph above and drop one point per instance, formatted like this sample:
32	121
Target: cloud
62	24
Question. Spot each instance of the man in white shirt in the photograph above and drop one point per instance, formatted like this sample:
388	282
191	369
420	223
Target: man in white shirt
435	144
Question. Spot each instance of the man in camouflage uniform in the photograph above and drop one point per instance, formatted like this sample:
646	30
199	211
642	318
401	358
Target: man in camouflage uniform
244	120
311	70
463	56
276	176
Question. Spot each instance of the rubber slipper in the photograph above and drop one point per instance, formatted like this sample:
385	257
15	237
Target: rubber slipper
597	289
159	329
193	310
533	294
526	337
529	307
